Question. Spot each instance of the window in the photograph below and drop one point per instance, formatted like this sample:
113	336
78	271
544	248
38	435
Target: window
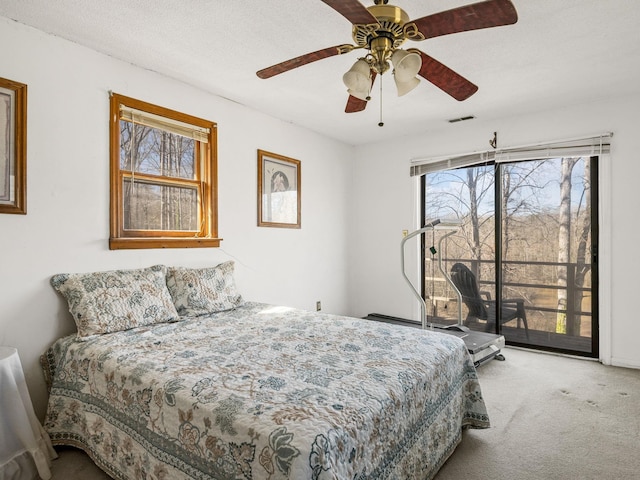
533	256
527	230
163	177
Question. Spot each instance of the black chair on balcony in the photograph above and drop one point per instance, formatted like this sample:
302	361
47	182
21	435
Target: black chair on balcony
483	308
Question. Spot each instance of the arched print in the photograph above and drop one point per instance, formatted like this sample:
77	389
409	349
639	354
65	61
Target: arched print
279	182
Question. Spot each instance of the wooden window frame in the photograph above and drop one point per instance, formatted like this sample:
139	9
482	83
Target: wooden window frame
15	163
205	181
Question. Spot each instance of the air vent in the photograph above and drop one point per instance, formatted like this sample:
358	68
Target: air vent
461	119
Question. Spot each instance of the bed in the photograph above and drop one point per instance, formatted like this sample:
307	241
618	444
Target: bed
260	392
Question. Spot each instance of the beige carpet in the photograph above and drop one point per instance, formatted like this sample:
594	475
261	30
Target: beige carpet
552	418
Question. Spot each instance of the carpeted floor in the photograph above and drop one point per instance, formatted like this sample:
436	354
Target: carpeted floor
552	418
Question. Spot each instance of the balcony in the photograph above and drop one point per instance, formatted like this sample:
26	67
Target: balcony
567	330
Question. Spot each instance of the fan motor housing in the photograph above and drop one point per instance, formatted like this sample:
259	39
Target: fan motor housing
391	25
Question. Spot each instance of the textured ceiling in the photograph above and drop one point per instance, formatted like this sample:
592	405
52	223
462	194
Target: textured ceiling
560	52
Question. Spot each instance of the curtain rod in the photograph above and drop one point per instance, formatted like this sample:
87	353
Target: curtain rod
507	149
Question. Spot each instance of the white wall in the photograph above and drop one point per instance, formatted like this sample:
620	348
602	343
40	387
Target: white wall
66	228
347	252
386	205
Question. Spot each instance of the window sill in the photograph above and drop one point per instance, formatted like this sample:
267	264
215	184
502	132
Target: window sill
162	242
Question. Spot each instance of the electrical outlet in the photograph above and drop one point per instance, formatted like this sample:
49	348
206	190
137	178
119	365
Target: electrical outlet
318	306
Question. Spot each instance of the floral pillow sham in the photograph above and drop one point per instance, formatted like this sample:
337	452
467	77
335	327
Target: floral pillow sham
202	291
110	301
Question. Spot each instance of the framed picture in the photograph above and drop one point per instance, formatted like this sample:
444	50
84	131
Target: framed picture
13	147
278	191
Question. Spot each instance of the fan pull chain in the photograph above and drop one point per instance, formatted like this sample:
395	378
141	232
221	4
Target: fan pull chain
381	123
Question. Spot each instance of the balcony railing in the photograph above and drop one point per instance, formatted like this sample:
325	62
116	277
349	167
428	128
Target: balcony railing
549	323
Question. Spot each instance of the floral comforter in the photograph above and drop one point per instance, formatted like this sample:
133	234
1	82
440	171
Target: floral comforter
262	392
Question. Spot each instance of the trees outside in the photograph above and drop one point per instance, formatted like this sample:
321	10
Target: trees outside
151	155
545	235
573	234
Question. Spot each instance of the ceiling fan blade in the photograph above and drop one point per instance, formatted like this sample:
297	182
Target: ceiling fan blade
490	13
444	78
355	104
303	60
353	11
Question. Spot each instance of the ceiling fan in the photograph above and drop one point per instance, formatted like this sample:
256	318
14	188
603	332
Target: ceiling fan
381	29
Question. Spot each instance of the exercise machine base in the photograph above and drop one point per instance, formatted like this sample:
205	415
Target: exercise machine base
482	346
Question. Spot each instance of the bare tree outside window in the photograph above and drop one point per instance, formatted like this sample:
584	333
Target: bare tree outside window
149	205
545	237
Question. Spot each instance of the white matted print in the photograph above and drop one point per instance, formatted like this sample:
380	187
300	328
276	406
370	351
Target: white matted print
278	191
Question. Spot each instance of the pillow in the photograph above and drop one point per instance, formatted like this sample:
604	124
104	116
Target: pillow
104	302
205	290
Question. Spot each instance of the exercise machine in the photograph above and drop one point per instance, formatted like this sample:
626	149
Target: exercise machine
482	346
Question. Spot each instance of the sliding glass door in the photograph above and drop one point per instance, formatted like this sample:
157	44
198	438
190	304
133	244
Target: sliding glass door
463	197
523	252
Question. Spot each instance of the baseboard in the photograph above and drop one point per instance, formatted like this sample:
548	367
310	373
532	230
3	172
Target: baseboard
624	362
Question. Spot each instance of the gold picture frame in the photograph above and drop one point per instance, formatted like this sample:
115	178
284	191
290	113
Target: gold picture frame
13	147
278	191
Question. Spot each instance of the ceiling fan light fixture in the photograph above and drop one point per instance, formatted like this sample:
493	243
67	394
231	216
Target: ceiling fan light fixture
380	49
358	78
382	29
406	86
405	65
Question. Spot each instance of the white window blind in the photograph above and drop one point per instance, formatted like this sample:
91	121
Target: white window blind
184	129
579	147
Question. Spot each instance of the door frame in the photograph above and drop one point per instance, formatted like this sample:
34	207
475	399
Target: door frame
601	255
